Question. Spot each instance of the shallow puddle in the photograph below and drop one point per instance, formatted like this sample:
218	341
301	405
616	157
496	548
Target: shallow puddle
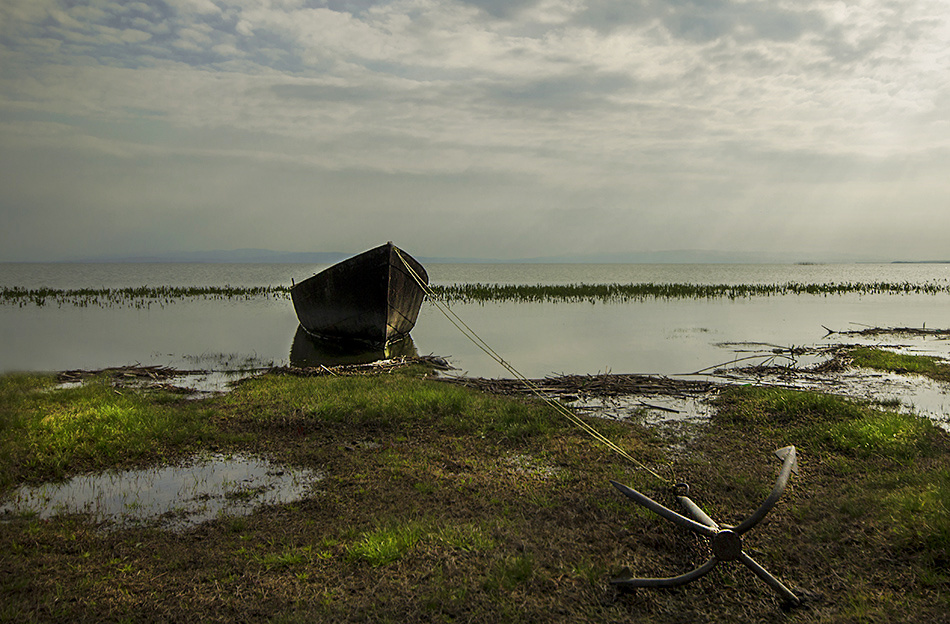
915	393
652	409
175	497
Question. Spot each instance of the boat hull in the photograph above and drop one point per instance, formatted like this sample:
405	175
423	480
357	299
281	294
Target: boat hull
370	298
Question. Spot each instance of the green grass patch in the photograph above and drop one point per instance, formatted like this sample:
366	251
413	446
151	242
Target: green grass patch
47	432
882	359
385	545
392	402
830	423
920	508
510	572
778	407
887	470
887	434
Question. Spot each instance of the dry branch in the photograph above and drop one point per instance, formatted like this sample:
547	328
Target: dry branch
606	385
898	331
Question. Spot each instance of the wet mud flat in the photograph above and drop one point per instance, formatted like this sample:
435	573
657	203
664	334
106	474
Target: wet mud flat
432	501
827	368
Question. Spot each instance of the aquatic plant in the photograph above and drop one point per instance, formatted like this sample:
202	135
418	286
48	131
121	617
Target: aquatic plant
147	296
135	297
622	293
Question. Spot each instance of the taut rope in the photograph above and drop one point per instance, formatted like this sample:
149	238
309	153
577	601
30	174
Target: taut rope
469	333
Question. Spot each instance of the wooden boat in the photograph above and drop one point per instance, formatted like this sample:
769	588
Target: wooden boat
370	298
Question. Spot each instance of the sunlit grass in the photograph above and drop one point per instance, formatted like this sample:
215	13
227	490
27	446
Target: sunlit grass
766	406
882	359
47	431
833	422
385	545
894	461
887	434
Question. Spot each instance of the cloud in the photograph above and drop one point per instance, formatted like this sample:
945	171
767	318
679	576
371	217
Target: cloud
669	122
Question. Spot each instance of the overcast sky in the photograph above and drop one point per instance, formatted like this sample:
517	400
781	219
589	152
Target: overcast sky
475	128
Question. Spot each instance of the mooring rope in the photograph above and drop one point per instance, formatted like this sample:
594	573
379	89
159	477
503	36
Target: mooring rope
469	333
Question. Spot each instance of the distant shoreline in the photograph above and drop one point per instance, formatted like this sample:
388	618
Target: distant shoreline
670	256
683	256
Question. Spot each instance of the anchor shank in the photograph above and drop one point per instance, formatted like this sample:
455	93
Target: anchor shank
696	512
665	512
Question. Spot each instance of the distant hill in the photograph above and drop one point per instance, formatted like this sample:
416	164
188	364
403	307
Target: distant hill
705	256
231	256
684	256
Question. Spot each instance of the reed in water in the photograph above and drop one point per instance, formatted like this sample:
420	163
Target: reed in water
144	296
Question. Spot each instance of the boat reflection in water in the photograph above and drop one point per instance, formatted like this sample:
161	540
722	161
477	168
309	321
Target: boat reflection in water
308	351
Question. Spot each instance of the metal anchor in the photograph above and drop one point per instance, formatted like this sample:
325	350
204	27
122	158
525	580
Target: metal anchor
726	542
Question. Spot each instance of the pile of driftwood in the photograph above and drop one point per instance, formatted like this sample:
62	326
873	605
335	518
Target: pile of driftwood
370	368
153	377
897	331
134	372
572	387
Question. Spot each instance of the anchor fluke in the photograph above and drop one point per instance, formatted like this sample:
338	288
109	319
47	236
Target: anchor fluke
726	543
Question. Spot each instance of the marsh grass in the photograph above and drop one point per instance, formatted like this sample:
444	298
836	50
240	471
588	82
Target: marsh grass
621	293
423	517
147	296
136	297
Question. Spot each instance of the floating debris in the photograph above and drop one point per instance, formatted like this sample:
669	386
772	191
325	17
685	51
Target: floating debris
892	331
191	382
571	387
370	368
123	373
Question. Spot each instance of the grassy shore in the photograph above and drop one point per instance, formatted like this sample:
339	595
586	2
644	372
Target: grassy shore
882	359
448	505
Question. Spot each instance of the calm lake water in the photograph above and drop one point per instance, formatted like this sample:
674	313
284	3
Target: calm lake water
652	336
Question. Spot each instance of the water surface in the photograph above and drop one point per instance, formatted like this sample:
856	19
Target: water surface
671	336
176	497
